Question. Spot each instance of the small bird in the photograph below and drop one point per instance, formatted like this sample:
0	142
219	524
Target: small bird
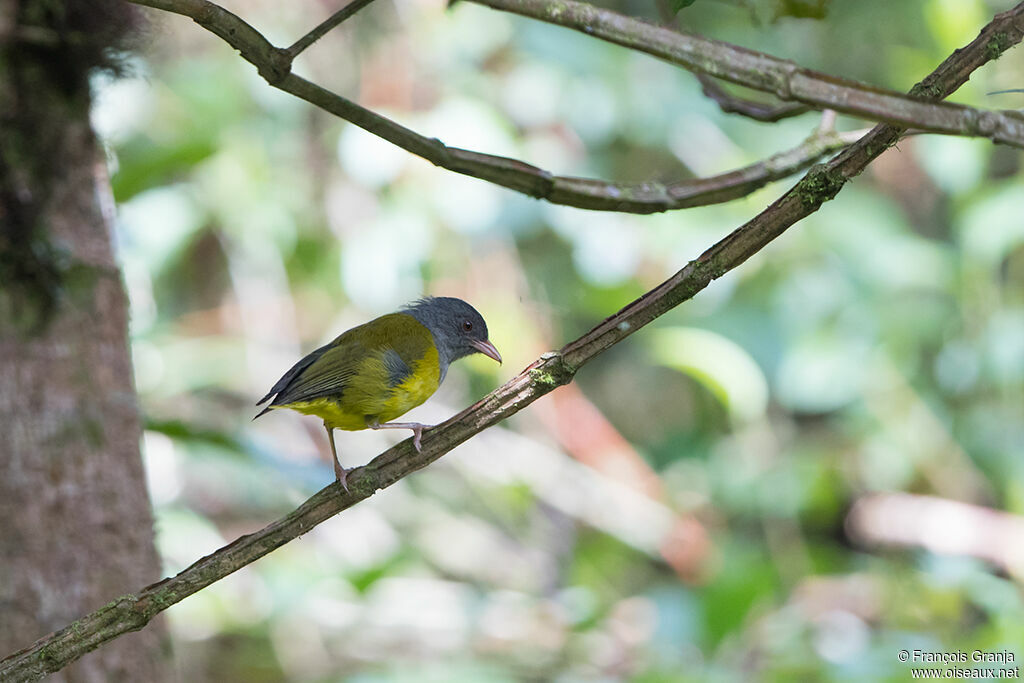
382	369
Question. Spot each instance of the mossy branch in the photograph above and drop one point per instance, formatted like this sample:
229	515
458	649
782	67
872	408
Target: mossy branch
822	183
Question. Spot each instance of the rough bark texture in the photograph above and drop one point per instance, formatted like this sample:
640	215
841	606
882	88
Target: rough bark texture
77	529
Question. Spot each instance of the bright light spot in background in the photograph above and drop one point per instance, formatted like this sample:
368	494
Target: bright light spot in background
155	224
183	535
818	375
149	366
380	265
509	616
141	301
298	634
1004	341
367	540
531	94
349	205
121	106
590	109
702	146
955	164
508	566
873	242
470	125
331	602
840	636
884	462
368	159
812	293
954	22
235	185
466	204
465	35
606	250
910	262
992	227
161	464
430	612
957	367
610	256
555	150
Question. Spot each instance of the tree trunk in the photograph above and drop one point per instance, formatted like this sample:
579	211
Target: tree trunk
76	528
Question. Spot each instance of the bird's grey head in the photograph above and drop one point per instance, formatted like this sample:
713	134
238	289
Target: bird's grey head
457	328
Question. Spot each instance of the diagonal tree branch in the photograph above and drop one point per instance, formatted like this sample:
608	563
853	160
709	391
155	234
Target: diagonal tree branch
325	27
132	612
274	64
786	80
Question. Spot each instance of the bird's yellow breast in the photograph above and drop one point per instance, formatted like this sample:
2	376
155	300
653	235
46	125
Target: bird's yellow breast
368	396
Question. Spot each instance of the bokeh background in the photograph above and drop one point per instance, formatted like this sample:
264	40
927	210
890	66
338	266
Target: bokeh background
813	464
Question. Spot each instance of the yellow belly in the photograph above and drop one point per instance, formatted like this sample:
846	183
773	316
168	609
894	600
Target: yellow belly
368	398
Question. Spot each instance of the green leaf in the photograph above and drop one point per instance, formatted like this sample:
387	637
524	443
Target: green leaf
680	5
722	366
144	164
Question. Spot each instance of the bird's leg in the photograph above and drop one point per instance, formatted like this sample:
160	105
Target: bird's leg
416	427
340	473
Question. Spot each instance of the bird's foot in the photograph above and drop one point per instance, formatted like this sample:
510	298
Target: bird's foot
341	474
416	427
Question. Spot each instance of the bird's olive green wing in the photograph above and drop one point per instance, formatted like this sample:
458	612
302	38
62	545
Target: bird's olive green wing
282	384
381	353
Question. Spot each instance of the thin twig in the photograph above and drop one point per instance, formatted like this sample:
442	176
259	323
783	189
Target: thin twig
759	111
132	612
732	104
728	103
784	79
326	26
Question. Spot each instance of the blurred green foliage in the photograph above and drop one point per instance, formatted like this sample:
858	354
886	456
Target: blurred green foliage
877	346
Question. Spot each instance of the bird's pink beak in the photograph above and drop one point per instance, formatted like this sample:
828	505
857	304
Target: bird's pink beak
487	348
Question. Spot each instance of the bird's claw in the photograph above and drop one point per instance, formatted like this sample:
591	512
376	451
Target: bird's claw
341	474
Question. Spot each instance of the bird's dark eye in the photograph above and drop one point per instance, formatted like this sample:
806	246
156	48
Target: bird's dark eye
467	325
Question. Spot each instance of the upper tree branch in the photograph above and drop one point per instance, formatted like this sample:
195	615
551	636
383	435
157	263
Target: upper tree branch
274	64
132	612
784	79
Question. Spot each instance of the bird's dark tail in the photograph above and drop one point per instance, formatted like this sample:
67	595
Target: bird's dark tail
281	385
